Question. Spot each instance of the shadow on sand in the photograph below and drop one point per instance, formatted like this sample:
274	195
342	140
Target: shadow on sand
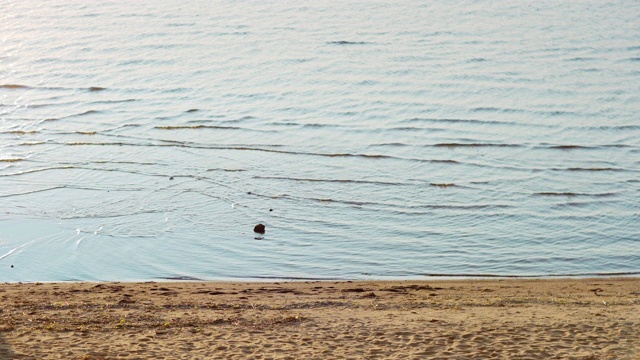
5	348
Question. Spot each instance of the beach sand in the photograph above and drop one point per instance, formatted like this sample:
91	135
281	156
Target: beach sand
596	318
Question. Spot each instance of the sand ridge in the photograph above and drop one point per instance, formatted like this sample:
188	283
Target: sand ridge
595	318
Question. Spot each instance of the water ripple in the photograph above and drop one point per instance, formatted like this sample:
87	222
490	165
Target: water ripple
379	138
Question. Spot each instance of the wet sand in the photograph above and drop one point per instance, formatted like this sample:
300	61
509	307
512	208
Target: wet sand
595	318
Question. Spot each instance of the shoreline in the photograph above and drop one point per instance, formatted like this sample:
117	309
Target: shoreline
418	278
517	318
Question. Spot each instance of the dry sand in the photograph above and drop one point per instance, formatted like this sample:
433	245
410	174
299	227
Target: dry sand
480	319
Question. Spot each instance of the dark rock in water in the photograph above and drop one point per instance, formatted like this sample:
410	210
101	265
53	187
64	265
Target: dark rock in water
171	178
259	229
270	209
12	266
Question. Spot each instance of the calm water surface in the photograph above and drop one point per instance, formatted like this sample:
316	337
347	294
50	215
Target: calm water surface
374	139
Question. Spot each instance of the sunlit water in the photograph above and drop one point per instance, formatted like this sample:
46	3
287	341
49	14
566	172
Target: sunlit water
390	139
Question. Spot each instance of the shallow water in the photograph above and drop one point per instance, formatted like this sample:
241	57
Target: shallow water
374	139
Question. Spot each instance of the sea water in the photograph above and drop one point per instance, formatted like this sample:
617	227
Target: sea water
373	139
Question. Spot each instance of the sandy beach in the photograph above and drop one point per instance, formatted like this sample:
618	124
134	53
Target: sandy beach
596	318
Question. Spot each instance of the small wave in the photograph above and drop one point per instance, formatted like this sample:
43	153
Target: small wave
87	143
367	83
227	170
548	193
113	101
11	160
292	278
180	127
14	86
606	127
110	215
369	156
557	113
86	132
182	278
183	144
344	42
38	170
453	145
445	120
413	128
403	208
572	194
88	112
317	125
21	132
580	59
569	147
18	249
443	185
469	121
345	202
588	169
246	117
578	204
583	147
463	207
390	144
478	275
496	109
441	161
286	123
296	61
31	192
187	24
33	143
123	162
329	180
96	88
192	110
469	275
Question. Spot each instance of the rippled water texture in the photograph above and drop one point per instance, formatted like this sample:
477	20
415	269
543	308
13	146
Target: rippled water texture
389	139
